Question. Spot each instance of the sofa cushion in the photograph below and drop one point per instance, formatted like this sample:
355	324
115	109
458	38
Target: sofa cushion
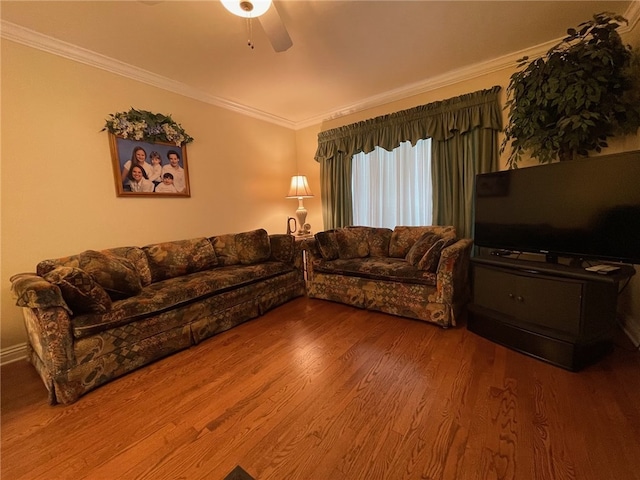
246	248
139	259
174	292
353	242
225	248
80	291
253	247
422	246
181	257
379	239
377	268
117	275
327	244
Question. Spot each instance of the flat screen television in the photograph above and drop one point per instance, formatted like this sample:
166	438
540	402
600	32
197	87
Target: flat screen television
586	208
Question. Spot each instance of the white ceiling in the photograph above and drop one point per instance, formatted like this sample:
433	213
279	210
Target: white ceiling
346	55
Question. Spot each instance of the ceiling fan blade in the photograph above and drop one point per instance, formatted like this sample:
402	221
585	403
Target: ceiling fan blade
275	29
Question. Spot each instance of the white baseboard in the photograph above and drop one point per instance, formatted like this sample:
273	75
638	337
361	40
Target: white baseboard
13	353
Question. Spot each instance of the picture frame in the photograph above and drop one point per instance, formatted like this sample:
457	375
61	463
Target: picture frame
130	182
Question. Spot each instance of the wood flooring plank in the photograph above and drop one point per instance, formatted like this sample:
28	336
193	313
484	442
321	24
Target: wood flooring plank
345	376
288	383
318	390
476	419
605	454
134	460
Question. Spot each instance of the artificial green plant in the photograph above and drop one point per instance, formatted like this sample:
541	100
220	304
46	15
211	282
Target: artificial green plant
568	102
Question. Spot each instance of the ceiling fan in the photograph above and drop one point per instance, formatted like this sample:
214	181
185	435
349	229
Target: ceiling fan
266	12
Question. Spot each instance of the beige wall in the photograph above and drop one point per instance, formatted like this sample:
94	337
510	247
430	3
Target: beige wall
306	144
58	193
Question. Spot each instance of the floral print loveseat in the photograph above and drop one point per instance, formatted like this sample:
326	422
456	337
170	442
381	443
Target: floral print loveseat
97	315
416	272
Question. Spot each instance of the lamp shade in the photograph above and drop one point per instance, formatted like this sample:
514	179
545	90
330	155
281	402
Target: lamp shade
299	187
247	8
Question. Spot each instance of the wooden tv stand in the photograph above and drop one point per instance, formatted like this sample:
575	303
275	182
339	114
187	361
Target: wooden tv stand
560	314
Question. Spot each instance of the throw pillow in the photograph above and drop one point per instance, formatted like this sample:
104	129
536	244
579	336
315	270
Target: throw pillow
403	238
139	259
422	245
80	291
117	275
181	257
327	244
45	266
225	248
429	262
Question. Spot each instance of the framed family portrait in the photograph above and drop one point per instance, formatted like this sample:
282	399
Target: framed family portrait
146	168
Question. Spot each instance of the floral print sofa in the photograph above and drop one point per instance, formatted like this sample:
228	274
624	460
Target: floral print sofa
416	272
97	315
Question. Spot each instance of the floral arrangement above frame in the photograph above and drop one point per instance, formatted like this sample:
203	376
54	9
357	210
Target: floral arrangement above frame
149	154
147	126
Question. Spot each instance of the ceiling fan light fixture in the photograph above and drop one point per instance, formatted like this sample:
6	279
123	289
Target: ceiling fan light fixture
247	8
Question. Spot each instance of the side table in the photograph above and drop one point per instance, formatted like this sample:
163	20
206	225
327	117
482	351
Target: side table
301	238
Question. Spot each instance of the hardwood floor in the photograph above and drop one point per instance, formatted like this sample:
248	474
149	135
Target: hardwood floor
316	391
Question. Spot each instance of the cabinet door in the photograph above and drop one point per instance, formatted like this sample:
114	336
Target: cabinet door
495	290
550	303
542	302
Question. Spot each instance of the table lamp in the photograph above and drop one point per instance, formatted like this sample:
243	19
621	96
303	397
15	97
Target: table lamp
300	189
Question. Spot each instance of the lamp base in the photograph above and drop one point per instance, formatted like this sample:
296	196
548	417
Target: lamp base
301	214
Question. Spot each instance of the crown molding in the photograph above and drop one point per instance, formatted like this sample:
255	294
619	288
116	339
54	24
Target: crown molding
633	15
67	50
459	75
45	43
433	83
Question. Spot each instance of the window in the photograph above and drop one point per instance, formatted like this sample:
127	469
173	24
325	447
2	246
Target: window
393	188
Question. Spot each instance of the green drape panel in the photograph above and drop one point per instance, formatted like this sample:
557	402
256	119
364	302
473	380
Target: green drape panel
454	165
335	185
441	121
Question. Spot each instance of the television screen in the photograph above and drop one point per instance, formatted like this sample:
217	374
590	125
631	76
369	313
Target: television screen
585	208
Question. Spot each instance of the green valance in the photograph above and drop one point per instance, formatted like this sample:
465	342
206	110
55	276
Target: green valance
438	120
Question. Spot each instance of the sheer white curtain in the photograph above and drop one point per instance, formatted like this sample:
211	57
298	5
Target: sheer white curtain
393	188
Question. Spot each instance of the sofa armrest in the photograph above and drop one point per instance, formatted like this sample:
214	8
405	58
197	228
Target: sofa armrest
47	321
452	275
285	248
50	336
33	291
